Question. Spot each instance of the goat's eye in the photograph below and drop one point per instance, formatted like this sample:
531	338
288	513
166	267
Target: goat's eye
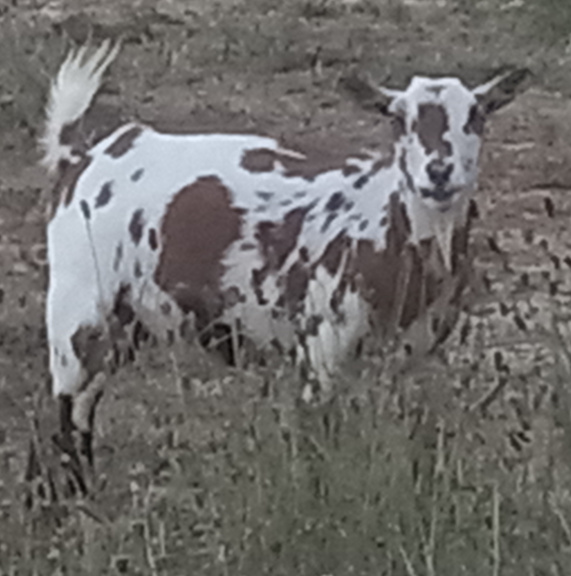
476	121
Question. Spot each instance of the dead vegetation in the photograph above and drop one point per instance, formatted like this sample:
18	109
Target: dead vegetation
460	466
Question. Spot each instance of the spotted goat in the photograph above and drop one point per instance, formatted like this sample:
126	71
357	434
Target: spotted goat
201	234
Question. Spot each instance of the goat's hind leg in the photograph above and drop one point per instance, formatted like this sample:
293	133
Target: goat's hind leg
78	348
65	442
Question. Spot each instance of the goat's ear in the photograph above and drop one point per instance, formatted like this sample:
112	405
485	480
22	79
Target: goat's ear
365	93
502	89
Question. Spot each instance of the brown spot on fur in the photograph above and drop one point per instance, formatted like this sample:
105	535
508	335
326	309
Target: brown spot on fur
122	309
401	281
91	345
350	169
385	161
105	195
380	164
68	176
124	143
431	125
278	239
312	324
377	271
332	255
85	209
335	202
118	256
404	169
265	196
398	126
296	282
198	227
137	175
153	241
137	270
300	273
259	160
136	226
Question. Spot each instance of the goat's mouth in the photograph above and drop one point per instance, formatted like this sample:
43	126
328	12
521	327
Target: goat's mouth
440	195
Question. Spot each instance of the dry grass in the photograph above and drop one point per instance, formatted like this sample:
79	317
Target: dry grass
205	471
226	474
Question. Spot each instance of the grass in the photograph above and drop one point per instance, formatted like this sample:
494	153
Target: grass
211	472
234	479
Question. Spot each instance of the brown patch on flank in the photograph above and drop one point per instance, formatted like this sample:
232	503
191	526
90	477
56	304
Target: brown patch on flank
124	143
431	125
258	160
69	174
200	224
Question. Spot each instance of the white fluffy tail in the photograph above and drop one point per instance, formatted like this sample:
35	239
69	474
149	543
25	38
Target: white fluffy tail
71	94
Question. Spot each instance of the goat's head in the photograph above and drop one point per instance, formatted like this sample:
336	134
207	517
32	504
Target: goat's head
438	128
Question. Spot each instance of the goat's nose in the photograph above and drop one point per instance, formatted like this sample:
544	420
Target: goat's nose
438	172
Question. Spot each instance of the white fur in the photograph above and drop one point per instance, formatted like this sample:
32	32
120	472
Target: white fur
70	96
84	281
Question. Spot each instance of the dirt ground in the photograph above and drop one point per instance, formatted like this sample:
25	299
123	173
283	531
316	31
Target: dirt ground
272	67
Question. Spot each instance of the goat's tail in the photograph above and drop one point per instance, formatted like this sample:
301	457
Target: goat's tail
70	96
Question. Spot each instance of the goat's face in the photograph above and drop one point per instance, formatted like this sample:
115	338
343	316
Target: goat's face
439	125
